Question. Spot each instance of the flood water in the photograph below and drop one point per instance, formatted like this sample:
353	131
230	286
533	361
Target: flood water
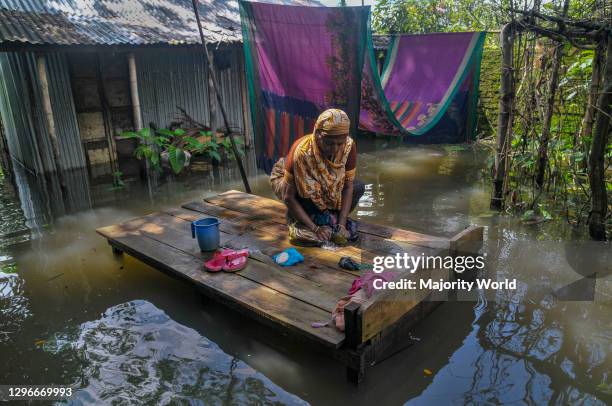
121	332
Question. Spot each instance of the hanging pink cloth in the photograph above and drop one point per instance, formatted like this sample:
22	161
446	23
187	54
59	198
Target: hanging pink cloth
361	289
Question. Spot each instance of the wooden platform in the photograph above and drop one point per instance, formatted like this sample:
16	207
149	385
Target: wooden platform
288	298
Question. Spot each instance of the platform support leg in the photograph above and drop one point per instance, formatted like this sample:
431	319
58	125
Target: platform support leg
355	375
355	371
116	251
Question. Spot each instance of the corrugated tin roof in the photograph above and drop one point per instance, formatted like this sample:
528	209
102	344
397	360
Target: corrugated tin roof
120	22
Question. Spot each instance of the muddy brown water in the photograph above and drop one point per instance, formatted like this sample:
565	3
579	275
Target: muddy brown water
119	331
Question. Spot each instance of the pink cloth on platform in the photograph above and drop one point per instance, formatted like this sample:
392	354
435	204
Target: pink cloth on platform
367	281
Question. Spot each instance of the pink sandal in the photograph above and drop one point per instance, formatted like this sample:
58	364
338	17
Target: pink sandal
215	264
235	264
228	260
233	254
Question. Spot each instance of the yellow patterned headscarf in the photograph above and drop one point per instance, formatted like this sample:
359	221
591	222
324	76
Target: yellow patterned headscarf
333	122
316	177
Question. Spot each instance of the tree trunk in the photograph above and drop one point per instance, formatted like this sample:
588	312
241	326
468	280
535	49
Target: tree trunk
550	104
548	112
599	199
506	104
589	113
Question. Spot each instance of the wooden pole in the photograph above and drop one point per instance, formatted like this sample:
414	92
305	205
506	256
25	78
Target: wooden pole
213	76
597	167
212	101
137	115
248	135
506	104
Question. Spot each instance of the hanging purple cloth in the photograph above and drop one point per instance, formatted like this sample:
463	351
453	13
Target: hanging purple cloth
302	60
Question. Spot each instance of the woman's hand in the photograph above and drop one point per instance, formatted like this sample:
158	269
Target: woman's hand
323	233
344	232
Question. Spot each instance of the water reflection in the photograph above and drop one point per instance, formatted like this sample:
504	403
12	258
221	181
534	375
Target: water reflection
134	353
13	303
518	354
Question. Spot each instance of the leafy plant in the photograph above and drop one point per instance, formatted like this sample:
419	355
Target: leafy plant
177	145
226	143
150	144
118	182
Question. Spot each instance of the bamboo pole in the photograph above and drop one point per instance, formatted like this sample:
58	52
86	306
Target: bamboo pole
137	115
506	103
248	135
213	76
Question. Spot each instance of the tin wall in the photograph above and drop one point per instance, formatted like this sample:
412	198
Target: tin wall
22	114
175	78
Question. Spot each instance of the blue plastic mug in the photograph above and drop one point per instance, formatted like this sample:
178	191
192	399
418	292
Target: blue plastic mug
207	232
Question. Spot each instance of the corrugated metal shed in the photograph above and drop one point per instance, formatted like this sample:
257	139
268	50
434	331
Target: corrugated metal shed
126	22
22	117
164	84
181	80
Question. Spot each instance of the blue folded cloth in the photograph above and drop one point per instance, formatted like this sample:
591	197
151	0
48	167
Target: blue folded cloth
288	257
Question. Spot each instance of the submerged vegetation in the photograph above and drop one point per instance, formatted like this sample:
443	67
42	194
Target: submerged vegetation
551	160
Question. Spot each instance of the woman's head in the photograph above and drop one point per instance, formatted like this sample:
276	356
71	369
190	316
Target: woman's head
331	131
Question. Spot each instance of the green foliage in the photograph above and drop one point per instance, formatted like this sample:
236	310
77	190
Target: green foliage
118	182
177	143
177	158
226	143
150	145
566	192
422	16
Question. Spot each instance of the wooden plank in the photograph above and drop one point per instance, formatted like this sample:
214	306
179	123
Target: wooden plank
176	232
241	201
242	293
468	241
386	307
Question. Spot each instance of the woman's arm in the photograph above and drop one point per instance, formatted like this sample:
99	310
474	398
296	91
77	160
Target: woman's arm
297	211
347	197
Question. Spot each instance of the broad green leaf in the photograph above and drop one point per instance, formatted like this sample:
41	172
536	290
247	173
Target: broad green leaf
215	155
177	159
154	159
165	132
